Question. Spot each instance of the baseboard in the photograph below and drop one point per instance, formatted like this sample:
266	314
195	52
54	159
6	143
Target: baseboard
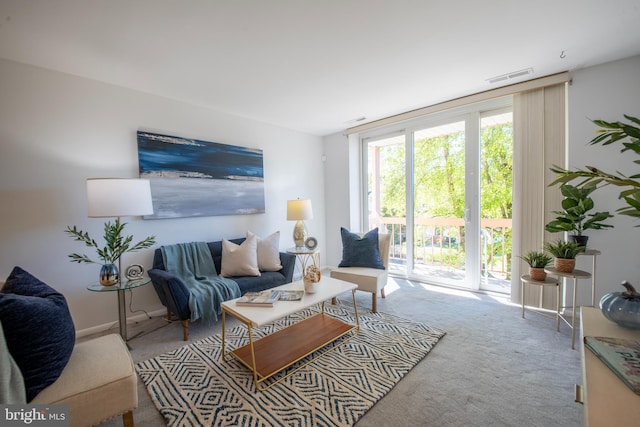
106	326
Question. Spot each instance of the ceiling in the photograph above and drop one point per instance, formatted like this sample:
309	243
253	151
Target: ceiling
315	65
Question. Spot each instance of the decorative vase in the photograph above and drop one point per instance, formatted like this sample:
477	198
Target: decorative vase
565	265
109	275
537	273
311	279
581	239
622	308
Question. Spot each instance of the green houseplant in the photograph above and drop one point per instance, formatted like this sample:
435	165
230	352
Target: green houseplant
629	135
537	261
575	217
115	245
564	254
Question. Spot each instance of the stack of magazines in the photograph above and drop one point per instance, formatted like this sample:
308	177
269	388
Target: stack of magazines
269	297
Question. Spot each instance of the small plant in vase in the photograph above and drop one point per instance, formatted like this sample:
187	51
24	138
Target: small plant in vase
537	261
115	245
564	254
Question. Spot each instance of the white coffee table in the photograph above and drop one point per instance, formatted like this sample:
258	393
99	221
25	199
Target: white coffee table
270	355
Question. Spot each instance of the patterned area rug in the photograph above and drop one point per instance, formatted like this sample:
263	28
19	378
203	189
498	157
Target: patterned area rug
191	386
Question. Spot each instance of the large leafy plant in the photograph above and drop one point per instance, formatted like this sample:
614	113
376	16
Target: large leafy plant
115	243
575	216
629	135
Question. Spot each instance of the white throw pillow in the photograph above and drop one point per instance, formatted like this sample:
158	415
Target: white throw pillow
240	260
268	251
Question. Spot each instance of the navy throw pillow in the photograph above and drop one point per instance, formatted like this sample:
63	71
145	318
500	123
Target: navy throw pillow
360	251
38	329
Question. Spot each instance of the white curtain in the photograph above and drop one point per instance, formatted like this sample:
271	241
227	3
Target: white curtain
539	122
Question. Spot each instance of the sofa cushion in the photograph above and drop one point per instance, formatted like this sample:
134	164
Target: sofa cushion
38	329
240	260
268	252
360	251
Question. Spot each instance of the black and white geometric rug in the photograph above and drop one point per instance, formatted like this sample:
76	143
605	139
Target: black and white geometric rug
192	386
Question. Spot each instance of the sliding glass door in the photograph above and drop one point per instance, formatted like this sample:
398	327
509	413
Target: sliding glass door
442	187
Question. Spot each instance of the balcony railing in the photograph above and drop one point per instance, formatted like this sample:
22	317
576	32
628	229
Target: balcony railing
442	241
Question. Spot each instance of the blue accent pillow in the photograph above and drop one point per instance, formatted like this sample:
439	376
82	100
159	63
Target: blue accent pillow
360	251
38	329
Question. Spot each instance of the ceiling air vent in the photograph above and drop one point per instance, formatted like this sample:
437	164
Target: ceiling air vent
511	75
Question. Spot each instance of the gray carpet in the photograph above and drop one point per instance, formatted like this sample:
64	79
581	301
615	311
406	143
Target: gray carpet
493	368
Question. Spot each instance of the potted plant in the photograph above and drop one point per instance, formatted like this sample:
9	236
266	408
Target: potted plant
115	245
564	254
629	135
574	218
537	261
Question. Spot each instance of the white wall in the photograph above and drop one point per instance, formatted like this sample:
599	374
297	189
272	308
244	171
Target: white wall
336	151
57	130
607	92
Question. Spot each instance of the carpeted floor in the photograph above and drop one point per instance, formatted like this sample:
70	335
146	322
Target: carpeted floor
493	368
192	386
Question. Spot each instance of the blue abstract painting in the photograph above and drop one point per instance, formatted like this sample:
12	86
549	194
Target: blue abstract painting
192	178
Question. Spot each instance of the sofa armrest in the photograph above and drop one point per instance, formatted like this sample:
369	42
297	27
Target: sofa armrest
172	292
288	262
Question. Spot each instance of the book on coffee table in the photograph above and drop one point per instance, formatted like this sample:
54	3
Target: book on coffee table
259	299
621	355
286	295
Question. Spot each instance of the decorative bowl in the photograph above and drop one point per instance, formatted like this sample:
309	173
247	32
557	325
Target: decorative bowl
622	308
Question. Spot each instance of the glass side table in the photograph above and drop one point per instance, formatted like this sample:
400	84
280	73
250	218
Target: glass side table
121	288
306	257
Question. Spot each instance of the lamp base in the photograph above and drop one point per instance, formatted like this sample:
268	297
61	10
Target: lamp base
299	233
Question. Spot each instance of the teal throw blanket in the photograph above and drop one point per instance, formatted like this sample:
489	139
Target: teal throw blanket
193	264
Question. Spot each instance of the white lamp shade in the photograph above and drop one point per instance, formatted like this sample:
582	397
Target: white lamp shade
114	197
299	210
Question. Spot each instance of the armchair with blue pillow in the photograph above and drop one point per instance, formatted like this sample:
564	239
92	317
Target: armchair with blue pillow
42	364
365	262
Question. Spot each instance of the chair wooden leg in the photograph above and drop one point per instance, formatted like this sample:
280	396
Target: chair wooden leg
382	293
127	419
185	329
168	315
334	301
374	301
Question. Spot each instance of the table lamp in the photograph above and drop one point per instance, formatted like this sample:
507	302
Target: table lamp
299	210
115	198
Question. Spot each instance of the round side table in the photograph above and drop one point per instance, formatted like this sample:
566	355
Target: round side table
121	288
575	275
549	281
307	257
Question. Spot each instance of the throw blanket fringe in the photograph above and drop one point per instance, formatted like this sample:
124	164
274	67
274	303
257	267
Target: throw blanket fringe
192	262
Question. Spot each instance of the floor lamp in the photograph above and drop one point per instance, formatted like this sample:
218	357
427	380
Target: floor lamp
115	198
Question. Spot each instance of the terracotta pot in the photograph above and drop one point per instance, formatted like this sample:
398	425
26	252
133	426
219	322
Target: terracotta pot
565	265
537	273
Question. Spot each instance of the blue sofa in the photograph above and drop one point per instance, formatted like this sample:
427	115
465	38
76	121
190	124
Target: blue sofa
174	295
